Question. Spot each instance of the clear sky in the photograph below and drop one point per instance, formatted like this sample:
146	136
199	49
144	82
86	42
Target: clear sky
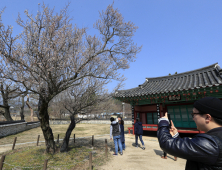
176	35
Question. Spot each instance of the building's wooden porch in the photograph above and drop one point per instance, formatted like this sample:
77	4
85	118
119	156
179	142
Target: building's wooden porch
154	127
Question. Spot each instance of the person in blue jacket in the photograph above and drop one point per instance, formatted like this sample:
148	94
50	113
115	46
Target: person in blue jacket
138	130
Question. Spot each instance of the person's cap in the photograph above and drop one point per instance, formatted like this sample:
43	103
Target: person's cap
210	105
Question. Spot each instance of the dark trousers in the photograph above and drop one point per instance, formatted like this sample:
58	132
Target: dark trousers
141	140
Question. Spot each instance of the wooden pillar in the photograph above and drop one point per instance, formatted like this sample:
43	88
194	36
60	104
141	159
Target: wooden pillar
14	143
106	148
133	115
90	160
45	164
92	140
38	140
134	121
2	162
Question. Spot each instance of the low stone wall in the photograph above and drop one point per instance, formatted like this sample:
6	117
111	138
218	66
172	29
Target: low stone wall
11	129
56	122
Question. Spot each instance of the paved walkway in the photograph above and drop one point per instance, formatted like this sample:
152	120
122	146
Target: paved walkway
137	159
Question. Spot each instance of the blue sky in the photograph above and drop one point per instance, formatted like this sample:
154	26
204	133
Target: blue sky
176	35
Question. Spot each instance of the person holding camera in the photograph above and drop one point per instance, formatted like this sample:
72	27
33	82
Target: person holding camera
115	131
174	136
203	151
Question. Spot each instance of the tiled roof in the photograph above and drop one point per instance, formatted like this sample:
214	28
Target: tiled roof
204	77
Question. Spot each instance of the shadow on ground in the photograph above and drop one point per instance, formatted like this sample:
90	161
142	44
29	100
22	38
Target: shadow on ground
160	153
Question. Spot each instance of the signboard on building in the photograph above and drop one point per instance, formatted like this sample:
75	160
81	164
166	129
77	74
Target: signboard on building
174	98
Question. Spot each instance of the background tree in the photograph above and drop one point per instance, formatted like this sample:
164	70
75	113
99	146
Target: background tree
51	55
9	91
83	100
23	105
30	108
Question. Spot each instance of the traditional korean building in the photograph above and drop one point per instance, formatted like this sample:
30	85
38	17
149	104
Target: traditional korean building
174	94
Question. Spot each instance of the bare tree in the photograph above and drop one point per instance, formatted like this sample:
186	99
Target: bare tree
83	100
51	55
9	91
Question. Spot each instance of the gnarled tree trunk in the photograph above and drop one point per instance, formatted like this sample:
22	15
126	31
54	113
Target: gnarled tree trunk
22	109
7	114
44	120
65	144
30	108
23	105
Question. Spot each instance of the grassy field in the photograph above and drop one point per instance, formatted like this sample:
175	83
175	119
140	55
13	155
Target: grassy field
81	130
77	156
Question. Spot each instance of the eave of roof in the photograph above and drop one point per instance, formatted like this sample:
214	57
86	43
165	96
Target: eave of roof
200	78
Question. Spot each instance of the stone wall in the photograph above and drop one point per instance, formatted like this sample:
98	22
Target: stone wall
11	129
56	122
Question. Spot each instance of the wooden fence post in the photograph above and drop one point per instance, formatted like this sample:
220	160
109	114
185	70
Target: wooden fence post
106	148
90	160
58	139
45	164
14	143
38	140
2	162
92	139
74	138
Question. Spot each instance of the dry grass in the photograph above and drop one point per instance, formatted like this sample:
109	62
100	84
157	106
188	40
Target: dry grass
77	156
81	130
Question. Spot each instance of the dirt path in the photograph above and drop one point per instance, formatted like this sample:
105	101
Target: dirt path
138	159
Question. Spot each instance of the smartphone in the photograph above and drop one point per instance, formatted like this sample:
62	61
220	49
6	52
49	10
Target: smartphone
169	120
